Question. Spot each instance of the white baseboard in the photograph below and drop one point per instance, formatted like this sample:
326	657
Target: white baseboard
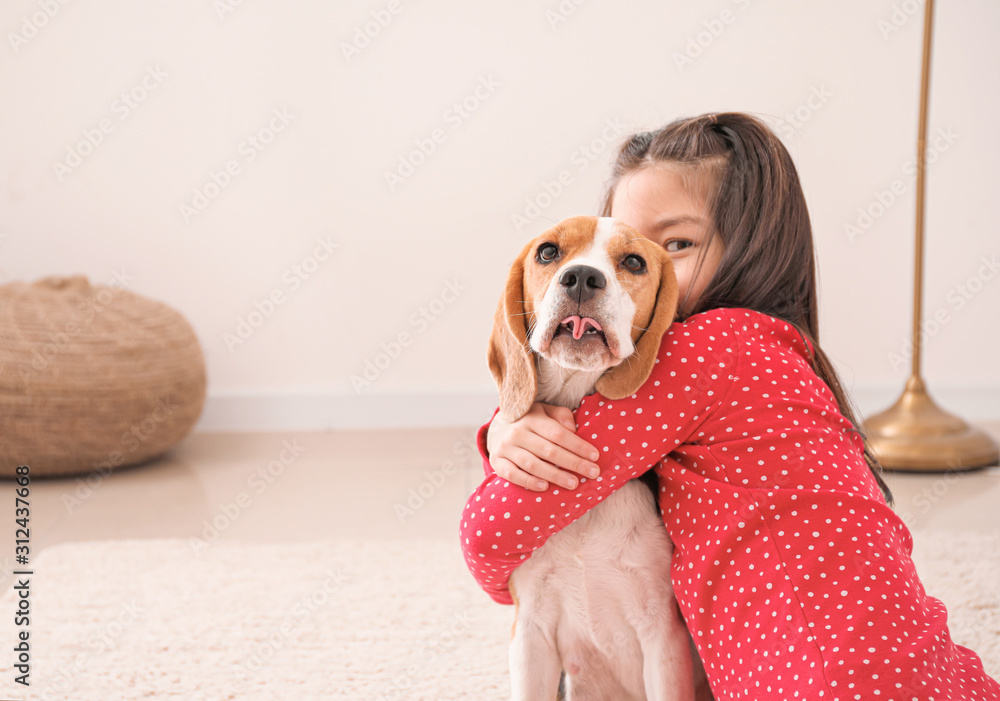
322	412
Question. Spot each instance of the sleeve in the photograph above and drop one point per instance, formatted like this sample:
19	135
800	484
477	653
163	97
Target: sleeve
502	523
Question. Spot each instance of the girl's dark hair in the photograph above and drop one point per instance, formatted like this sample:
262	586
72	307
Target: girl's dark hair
759	212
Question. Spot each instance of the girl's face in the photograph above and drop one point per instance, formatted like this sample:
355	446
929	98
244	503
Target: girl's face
656	202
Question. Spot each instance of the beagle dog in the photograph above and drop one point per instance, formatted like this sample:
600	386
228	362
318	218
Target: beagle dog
586	306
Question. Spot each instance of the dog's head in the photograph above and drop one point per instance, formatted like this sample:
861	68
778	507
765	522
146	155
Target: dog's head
588	294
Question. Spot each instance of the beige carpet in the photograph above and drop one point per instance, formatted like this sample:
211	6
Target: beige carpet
356	620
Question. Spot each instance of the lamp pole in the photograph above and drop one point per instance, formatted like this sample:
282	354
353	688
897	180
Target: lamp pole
915	434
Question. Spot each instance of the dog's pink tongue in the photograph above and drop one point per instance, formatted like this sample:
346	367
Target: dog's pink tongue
580	324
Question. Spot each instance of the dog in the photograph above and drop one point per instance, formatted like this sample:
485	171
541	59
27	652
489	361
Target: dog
585	307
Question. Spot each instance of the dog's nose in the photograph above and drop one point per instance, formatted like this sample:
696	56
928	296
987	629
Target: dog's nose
582	282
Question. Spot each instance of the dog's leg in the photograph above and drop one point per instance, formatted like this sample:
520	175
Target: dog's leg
534	664
667	668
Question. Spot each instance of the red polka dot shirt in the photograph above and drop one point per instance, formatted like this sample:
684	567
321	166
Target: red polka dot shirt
792	573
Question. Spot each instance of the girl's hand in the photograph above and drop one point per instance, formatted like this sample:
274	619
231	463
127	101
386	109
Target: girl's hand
540	447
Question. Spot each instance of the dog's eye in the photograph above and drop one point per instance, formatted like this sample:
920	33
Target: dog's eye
634	263
547	253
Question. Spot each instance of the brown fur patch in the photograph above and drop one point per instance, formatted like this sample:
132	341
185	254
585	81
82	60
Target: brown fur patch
573	236
655	295
642	289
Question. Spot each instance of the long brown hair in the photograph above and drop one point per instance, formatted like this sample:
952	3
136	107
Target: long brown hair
759	213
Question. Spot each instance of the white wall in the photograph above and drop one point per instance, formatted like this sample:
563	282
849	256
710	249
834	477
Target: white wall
548	90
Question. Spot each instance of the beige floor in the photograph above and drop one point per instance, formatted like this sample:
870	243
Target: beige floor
312	486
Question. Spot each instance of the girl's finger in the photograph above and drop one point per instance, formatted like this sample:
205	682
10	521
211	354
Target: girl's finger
529	462
565	461
515	475
554	432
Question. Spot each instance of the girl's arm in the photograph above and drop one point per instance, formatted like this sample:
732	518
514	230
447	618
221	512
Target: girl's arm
503	523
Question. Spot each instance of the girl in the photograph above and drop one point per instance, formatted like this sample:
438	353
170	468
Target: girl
793	574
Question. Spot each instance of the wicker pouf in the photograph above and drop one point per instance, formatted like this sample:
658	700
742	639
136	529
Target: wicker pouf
92	377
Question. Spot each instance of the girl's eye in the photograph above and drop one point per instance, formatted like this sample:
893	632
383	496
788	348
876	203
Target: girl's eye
634	263
547	253
677	245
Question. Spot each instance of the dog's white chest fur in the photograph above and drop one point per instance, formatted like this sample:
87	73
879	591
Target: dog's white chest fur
601	586
598	595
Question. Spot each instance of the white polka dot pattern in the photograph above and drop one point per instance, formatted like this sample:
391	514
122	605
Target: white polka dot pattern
793	574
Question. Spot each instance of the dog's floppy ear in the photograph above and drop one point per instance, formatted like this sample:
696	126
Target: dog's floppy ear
625	379
511	360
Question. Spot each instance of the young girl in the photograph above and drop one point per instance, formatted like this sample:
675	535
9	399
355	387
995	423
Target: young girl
793	574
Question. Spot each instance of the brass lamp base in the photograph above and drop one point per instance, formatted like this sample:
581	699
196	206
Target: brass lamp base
916	435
